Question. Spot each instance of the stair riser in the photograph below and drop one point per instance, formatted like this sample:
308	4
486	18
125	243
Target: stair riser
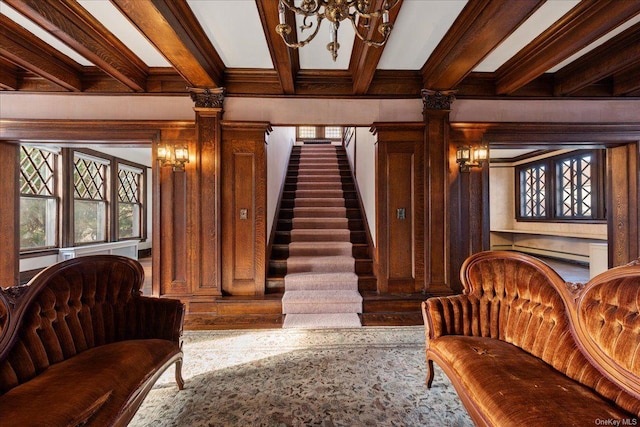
320	212
306	266
321	308
319	251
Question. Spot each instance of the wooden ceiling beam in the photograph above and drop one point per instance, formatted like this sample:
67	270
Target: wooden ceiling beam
174	30
286	61
479	29
627	82
20	47
582	25
364	59
614	56
72	24
8	76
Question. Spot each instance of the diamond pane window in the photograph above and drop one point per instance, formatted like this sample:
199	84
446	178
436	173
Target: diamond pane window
533	192
38	198
90	201
37	169
129	202
575	187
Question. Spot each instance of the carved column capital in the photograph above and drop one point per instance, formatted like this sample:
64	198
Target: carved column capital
206	97
437	99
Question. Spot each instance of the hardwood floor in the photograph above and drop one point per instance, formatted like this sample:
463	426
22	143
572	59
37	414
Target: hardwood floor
570	272
379	310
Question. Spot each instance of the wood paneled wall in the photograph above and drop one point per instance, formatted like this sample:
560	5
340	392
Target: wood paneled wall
623	204
468	207
244	208
400	207
436	179
9	236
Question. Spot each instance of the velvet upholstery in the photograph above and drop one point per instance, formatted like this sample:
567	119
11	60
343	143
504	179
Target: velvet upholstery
512	328
82	343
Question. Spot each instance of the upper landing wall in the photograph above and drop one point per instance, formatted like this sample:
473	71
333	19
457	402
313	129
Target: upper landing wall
291	111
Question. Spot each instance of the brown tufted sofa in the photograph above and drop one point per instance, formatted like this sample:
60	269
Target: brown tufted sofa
522	347
79	345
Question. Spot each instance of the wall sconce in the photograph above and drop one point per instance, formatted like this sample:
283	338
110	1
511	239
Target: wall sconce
175	156
468	157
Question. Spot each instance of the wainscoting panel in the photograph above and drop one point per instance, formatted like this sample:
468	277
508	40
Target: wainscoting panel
400	207
244	206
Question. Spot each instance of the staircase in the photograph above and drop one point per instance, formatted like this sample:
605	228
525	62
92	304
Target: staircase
320	256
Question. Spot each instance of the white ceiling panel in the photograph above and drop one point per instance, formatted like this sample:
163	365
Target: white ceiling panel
537	23
42	34
235	31
120	26
597	43
420	26
315	55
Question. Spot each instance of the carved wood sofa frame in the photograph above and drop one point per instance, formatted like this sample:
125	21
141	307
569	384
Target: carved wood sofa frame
80	345
522	347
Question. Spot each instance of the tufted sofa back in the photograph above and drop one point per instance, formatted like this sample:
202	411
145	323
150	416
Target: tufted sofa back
69	308
520	301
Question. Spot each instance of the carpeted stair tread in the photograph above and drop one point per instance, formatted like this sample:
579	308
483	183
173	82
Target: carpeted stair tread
319	212
320	223
320	264
321	281
322	321
320	171
318	178
320	249
321	235
335	202
322	302
319	185
307	194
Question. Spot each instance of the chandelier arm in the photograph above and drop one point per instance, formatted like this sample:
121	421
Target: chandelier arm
374	14
305	41
292	7
365	40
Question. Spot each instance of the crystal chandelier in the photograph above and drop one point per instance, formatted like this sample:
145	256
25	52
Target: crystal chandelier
335	11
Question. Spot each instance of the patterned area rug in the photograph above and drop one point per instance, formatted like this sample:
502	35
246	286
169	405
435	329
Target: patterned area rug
372	376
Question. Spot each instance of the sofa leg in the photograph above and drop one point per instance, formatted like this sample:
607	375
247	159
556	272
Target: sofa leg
430	373
179	379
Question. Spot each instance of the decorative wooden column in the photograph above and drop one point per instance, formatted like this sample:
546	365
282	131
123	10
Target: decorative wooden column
437	106
187	246
399	207
10	215
244	207
468	205
623	203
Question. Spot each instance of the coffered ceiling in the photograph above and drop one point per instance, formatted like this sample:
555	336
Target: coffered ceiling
481	48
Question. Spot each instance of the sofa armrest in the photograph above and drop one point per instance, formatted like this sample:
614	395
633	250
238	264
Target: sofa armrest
452	315
156	318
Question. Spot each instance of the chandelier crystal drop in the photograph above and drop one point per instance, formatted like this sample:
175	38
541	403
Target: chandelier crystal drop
335	11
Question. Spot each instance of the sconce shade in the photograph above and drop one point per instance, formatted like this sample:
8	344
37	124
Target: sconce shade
481	154
181	154
463	154
164	153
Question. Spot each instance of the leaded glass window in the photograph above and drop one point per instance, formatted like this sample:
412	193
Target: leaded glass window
38	198
567	187
533	192
129	202
575	189
90	199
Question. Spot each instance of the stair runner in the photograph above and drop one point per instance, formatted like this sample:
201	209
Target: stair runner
321	287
